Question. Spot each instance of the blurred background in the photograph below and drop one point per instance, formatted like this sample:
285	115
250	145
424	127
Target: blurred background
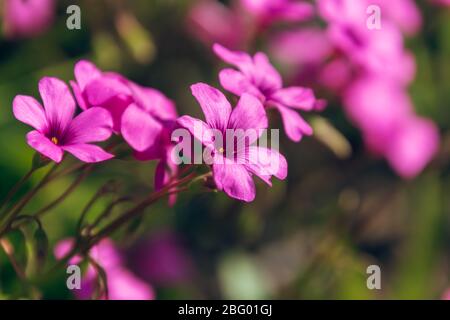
342	208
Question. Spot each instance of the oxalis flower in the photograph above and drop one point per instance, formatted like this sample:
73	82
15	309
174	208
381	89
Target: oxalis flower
56	128
27	18
258	77
122	283
233	171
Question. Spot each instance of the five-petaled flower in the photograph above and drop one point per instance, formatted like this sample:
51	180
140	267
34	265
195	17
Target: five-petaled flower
258	77
56	129
233	172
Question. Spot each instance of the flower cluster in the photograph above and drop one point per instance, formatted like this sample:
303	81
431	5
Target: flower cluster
109	103
365	66
145	118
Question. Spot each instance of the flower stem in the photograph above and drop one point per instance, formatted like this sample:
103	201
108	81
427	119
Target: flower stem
66	193
18	208
16	188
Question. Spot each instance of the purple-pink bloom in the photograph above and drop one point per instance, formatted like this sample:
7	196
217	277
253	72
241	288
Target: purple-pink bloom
94	88
162	259
211	21
122	284
378	51
56	129
384	113
289	46
258	77
144	119
233	171
403	13
161	150
268	11
27	18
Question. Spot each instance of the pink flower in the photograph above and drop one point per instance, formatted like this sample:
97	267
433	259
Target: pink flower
101	89
268	11
384	113
138	112
144	119
122	284
162	259
403	13
211	21
378	51
161	150
233	170
289	46
258	77
56	128
27	18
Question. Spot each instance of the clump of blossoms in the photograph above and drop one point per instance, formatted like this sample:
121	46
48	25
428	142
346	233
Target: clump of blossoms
361	62
144	123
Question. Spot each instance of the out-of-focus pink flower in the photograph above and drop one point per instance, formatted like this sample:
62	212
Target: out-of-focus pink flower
56	128
300	47
384	113
162	259
268	11
336	74
378	51
258	77
211	21
403	13
122	284
233	170
27	18
413	145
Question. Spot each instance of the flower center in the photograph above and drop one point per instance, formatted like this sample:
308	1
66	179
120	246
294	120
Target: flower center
55	140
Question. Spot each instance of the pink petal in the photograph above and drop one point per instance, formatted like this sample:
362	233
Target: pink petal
102	90
412	146
78	95
59	104
295	97
43	145
29	111
214	104
85	72
63	247
295	12
236	82
264	74
92	125
266	162
123	285
88	152
234	180
154	102
294	125
241	60
199	129
139	129
249	114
